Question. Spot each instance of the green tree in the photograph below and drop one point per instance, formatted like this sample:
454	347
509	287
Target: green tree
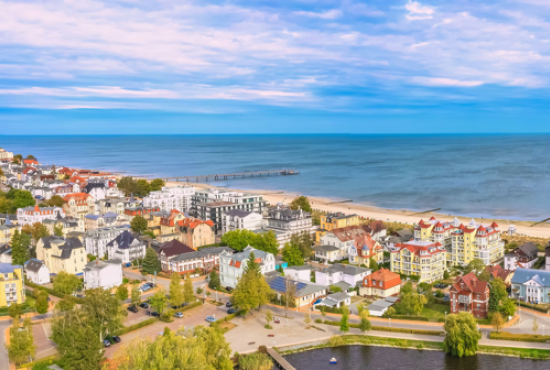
334	289
150	233
302	203
17	158
151	263
38	231
128	185
497	294
15	310
267	242
373	265
461	336
214	280
158	301
103	311
497	321
188	295
122	292
407	288
176	292
58	230
268	317
66	283
144	188
293	255
240	239
6	205
446	275
475	265
251	291
136	295
255	361
344	321
42	304
55	201
66	304
365	324
484	276
23	199
19	253
30	156
252	265
138	224
304	242
508	307
21	348
157	184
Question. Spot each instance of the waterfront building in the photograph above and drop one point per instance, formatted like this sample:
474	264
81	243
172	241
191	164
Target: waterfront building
344	239
476	241
169	198
30	215
102	274
469	294
125	248
327	253
305	294
78	205
524	256
7	230
139	211
382	283
100	188
37	272
376	229
62	254
238	219
115	205
12	286
438	232
196	233
169	221
232	264
285	222
96	240
5	157
5	253
421	258
335	221
531	286
188	261
338	272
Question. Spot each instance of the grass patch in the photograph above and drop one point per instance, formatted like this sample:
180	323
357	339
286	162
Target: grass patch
226	325
139	325
435	311
504	335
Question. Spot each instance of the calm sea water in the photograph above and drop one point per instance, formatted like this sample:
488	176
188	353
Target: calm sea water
503	176
379	358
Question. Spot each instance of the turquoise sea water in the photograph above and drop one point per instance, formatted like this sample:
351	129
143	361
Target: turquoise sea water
473	175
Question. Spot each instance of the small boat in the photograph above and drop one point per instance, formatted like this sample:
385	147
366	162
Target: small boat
333	361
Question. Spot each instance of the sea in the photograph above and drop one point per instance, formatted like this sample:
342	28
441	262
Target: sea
501	176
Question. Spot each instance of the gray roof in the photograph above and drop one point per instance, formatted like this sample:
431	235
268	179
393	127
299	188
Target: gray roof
523	275
238	212
529	249
123	240
346	269
6	268
100	265
338	297
201	253
303	288
300	268
34	265
245	254
379	305
343	285
326	248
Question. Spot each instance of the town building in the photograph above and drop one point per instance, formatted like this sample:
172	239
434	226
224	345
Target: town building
12	286
139	211
5	253
285	222
547	257
438	232
6	231
338	272
469	294
126	248
169	198
524	256
187	262
364	249
237	219
96	240
327	253
102	274
305	293
302	273
336	300
421	258
30	215
531	286
498	272
169	221
335	221
5	157
37	272
78	205
100	188
115	205
232	264
382	283
476	241
376	229
68	225
62	254
344	239
196	233
105	220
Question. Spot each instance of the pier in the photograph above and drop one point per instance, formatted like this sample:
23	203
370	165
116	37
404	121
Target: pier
279	360
230	176
428	211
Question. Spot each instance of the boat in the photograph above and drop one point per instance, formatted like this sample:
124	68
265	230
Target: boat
333	361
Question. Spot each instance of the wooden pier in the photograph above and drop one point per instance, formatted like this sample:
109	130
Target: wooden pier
230	176
279	360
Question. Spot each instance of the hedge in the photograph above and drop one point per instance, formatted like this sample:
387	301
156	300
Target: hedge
504	335
329	309
384	328
190	306
408	317
533	307
233	315
139	325
46	360
53	292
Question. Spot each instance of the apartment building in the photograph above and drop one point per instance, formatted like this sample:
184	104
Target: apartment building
335	221
78	205
96	240
232	264
421	258
475	241
285	222
62	254
12	286
238	219
169	198
30	215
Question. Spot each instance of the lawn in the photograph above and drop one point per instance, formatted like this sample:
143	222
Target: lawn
436	311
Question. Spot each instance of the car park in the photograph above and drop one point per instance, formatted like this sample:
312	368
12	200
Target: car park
179	315
153	313
210	319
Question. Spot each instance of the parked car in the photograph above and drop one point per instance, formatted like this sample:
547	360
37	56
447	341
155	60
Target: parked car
133	309
277	320
153	313
145	287
179	315
152	285
446	298
210	319
228	289
106	343
231	311
144	305
229	304
117	339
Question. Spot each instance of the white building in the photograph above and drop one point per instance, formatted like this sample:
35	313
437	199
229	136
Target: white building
232	264
126	248
285	222
102	188
30	215
169	198
302	273
342	238
5	156
96	240
352	275
238	219
5	253
102	274
205	259
37	272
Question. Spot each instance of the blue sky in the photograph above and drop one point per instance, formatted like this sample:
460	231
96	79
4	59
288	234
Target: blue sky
177	66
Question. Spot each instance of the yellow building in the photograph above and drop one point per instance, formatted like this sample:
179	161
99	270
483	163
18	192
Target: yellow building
425	259
12	287
62	254
475	241
335	221
6	232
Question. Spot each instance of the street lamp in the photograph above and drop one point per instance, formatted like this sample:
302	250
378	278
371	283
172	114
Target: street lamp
445	316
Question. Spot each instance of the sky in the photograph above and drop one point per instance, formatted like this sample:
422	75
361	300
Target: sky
258	66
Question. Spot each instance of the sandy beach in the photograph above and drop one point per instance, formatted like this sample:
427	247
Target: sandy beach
404	216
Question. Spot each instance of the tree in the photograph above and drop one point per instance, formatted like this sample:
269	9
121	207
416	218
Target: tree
255	361
497	294
292	255
240	239
188	295
58	230
144	188
461	336
484	276
6	205
290	293
151	263
66	304
136	295
535	325
497	321
446	275
475	265
365	324
176	293
17	158
407	288
344	321
21	348
38	231
158	301
138	224
323	309
508	307
30	156
268	317
22	199
411	303
214	281
252	265
334	289
122	292
302	203
251	291
303	241
267	242
42	304
19	253
149	233
103	311
373	265
307	318
15	310
66	283
128	185
55	201
157	184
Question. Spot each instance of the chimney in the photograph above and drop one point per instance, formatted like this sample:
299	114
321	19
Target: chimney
474	282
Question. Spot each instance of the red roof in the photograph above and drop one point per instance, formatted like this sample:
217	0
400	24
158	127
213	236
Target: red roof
194	222
79	198
389	279
28	169
471	284
415	247
30	161
372	244
169	221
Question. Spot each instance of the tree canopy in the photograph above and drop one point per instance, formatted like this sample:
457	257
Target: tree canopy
19	248
138	224
240	239
151	263
66	283
292	255
461	335
214	280
188	294
55	201
475	265
157	184
21	347
302	203
176	291
252	290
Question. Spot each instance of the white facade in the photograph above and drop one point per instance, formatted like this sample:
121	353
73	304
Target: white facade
285	222
103	274
30	215
241	220
126	248
339	272
302	273
96	240
169	198
37	272
232	265
344	246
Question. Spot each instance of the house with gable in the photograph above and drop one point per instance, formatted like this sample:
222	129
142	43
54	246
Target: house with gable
342	238
469	294
103	274
37	272
126	248
30	215
364	248
196	233
339	272
382	283
78	205
524	256
531	286
232	265
62	254
206	259
96	240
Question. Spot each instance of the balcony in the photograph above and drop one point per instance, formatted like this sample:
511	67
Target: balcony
464	299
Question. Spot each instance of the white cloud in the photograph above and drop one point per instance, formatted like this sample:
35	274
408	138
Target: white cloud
418	11
329	14
97	91
441	81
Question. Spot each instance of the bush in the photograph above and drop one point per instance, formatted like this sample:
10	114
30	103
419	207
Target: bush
190	306
383	328
533	307
331	309
125	281
53	292
408	317
233	315
504	335
127	329
318	321
41	364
